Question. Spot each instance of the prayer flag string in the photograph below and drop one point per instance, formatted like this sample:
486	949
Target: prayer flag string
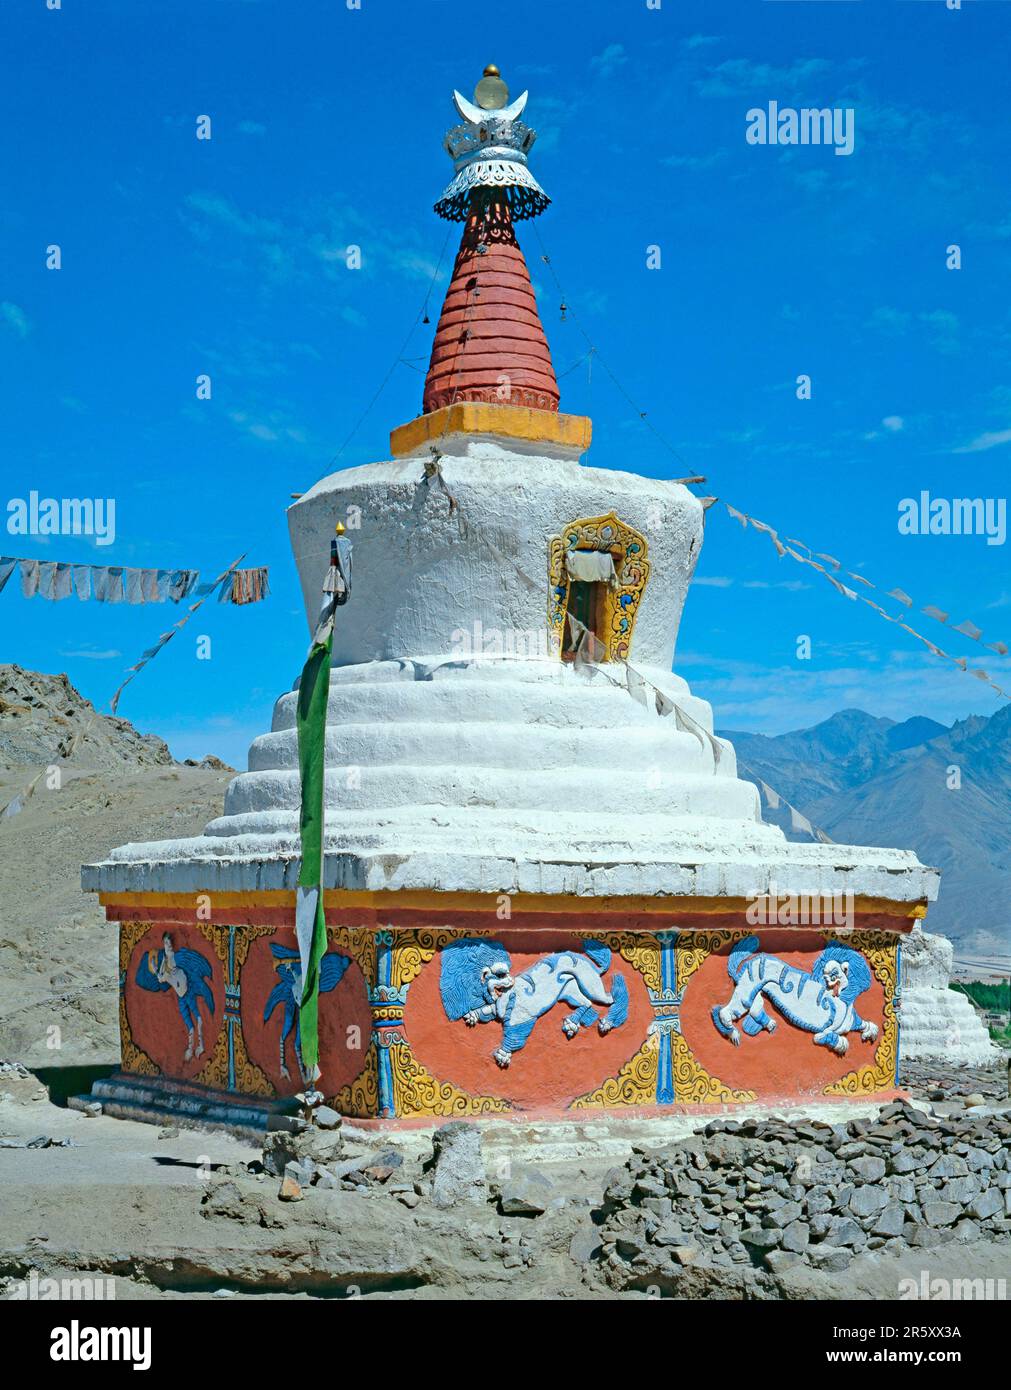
56	580
792	547
202	592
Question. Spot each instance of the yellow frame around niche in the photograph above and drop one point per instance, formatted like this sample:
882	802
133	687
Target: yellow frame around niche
631	562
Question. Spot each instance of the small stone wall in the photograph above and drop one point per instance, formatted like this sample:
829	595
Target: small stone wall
774	1194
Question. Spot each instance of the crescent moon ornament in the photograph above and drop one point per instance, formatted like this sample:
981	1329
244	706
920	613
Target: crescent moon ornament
477	116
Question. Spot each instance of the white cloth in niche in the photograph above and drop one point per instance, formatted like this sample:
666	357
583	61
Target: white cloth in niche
591	566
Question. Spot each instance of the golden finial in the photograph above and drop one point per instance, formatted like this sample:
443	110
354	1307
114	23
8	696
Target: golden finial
339	528
491	93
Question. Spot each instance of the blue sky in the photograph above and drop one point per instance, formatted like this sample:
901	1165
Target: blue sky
226	256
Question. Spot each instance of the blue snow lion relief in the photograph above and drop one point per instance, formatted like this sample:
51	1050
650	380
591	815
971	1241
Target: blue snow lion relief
819	1001
477	985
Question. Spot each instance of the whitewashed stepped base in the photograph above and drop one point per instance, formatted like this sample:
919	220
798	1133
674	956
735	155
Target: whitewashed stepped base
938	1024
581	790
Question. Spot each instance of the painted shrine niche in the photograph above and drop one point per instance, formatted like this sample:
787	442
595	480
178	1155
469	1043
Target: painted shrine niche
271	990
597	572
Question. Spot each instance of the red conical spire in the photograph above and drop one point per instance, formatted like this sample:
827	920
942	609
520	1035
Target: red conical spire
490	344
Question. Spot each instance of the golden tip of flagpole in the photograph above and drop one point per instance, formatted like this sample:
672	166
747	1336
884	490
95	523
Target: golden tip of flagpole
339	528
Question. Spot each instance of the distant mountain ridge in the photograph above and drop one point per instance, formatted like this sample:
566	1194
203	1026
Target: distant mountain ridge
867	780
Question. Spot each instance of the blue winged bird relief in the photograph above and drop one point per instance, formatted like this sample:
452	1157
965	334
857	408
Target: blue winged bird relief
188	973
821	1001
477	985
288	992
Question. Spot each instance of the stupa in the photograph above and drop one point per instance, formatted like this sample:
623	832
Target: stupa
546	889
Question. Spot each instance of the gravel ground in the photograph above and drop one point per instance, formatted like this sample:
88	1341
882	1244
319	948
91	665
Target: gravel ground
937	1082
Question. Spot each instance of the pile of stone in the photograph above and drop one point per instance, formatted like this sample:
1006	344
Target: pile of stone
310	1159
936	1081
39	1141
313	1156
307	1156
773	1194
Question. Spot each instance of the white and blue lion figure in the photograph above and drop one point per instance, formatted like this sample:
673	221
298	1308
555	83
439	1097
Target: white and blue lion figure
821	1000
477	985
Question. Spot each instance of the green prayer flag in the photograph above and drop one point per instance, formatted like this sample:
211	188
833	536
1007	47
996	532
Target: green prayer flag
310	924
310	719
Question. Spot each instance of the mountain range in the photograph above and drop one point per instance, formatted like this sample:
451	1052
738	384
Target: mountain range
943	792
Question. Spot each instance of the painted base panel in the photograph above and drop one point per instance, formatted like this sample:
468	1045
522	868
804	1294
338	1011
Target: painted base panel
446	1012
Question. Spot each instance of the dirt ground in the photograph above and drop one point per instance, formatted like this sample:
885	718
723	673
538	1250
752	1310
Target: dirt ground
181	1214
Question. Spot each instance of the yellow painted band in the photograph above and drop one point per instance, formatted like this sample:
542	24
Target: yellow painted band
508	421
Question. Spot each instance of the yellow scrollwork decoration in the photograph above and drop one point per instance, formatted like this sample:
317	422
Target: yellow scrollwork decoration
134	1059
635	1083
417	1092
360	1097
881	951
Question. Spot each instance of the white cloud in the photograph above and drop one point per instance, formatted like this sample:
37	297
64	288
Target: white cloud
989	440
694	161
889	320
942	326
275	428
15	318
893	424
222	210
722	581
608	62
739	75
790	584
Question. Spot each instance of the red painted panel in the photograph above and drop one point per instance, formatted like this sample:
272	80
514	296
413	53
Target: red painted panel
771	1064
156	1024
344	1008
551	1070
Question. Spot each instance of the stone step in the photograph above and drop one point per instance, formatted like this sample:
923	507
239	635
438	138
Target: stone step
152	1101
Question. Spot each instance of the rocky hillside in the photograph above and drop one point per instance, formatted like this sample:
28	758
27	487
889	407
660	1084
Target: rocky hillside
43	719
